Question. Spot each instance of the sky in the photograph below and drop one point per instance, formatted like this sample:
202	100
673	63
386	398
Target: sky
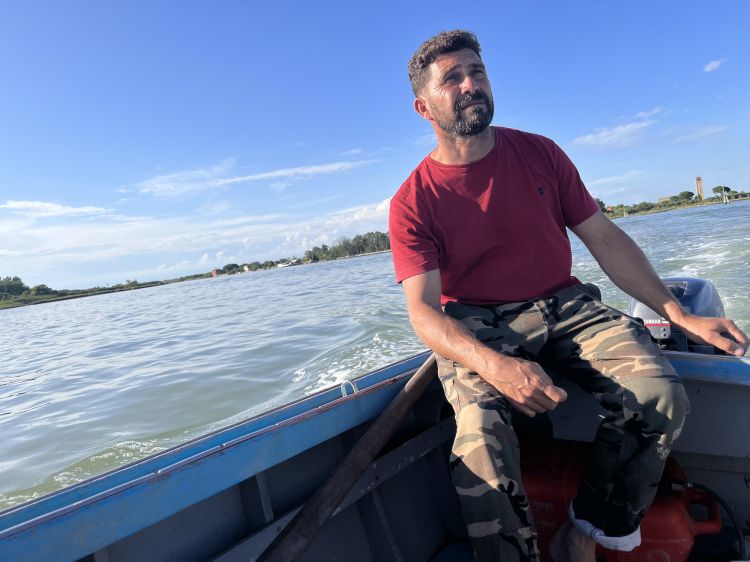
151	140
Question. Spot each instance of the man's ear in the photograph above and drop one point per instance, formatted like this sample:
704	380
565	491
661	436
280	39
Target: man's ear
420	106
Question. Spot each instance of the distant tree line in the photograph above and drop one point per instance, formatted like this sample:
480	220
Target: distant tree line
682	199
360	244
14	287
14	292
343	248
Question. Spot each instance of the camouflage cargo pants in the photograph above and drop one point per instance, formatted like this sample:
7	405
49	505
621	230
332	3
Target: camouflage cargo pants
609	355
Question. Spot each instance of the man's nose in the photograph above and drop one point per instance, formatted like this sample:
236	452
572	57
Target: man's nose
468	85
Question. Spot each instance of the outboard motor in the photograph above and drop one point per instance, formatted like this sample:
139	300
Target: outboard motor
696	296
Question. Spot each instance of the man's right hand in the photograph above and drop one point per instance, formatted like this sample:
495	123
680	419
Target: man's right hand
525	384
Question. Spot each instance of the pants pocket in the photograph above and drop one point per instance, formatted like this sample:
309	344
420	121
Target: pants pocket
447	376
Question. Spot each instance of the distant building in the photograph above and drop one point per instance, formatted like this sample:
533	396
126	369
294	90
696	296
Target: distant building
663	200
699	187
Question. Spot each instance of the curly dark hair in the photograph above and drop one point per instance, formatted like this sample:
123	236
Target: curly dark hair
443	42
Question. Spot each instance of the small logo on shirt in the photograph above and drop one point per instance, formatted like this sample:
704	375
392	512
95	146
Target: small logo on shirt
540	190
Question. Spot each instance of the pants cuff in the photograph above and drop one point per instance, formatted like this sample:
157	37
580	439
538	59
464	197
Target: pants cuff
623	544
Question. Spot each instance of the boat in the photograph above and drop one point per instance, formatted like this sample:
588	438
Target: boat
226	496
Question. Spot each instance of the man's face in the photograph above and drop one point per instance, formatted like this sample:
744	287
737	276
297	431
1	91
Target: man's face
458	94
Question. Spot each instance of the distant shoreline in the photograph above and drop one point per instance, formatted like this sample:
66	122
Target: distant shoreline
678	207
361	255
30	300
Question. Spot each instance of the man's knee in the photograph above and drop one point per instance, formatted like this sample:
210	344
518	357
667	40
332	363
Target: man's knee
661	403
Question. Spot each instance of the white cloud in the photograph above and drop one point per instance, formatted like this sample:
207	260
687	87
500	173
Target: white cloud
298	172
163	267
44	209
215	208
363	214
184	183
698	133
714	65
292	238
352	152
649	113
606	187
178	184
612	191
622	135
618	136
614	180
83	253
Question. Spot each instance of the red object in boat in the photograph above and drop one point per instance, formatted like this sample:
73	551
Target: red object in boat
551	472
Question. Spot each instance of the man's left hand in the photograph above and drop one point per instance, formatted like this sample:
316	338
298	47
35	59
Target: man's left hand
719	332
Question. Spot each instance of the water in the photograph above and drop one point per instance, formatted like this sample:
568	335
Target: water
90	384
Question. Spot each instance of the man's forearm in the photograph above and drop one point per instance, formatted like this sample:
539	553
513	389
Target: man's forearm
524	383
624	262
451	339
628	267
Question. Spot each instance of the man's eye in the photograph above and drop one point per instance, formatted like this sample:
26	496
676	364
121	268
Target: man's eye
450	78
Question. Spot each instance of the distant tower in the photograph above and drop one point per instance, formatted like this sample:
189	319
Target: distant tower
699	187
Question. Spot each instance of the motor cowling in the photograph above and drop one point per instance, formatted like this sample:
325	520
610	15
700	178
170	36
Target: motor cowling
697	296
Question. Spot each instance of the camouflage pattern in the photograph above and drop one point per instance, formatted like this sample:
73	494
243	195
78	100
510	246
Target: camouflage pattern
608	354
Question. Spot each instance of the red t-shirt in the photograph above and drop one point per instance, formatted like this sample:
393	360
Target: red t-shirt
494	228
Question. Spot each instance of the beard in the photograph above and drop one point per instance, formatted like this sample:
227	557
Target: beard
465	123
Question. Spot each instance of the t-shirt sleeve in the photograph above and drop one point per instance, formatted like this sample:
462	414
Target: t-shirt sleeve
577	203
413	248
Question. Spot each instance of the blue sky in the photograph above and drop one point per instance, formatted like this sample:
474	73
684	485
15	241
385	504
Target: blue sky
149	140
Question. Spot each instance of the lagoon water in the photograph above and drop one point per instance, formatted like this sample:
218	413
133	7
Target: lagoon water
90	384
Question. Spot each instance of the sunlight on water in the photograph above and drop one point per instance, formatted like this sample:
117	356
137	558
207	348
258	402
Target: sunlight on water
90	384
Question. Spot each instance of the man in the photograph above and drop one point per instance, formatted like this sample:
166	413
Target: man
479	242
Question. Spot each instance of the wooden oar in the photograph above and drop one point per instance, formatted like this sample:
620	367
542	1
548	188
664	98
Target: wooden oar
294	540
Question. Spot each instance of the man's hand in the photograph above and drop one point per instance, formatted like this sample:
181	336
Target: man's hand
624	262
719	332
525	384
